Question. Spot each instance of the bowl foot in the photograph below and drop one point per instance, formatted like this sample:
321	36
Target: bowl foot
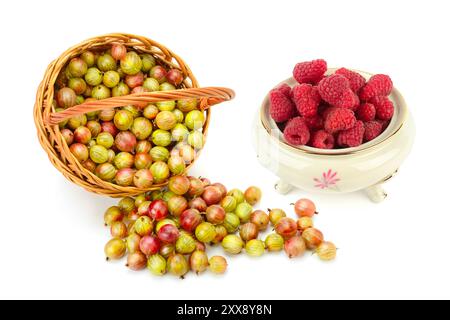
283	187
376	193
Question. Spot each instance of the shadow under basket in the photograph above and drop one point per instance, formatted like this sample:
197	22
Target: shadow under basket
47	119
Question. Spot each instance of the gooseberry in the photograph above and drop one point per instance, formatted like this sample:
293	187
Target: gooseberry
177	265
179	132
119	230
159	154
115	249
149	245
93	76
295	246
212	195
156	264
286	227
161	138
276	215
326	251
218	264
198	261
260	219
78	85
158	210
305	208
98	154
118	51
248	231
148	62
231	222
185	244
221	232
160	171
125	141
179	185
68	136
123	160
101	92
174	76
142	161
131	63
112	214
94	127
135	80
232	244
187	105
143	178
304	223
195	120
158	73
77	67
205	232
105	139
168	233
106	63
177	205
176	165
313	237
136	261
198	204
196	188
133	243
66	97
143	146
215	214
79	151
253	195
120	90
255	248
274	242
238	195
143	226
88	57
150	111
244	211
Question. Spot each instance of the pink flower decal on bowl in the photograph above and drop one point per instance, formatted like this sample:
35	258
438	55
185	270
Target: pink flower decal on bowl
328	180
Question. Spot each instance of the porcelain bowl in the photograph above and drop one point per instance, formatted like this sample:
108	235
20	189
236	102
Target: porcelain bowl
365	167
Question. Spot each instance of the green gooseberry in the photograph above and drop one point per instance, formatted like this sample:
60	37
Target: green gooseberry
160	171
79	100
243	211
98	154
157	264
195	120
167	196
78	85
93	77
185	244
141	128
237	194
179	115
111	79
77	121
126	204
143	146
111	155
150	111
176	165
93	115
77	67
105	139
151	84
123	160
231	222
123	120
95	127
159	153
165	86
106	62
148	62
140	199
232	244
180	132
229	203
205	232
255	248
88	57
187	105
131	64
107	115
166	105
106	171
120	90
196	139
166	120
161	138
133	109
101	92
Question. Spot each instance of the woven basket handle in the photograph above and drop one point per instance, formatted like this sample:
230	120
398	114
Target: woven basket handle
208	96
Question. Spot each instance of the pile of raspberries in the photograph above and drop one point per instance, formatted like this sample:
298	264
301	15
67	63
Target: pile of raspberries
330	112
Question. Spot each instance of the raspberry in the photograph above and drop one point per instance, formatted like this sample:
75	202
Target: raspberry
384	107
314	122
372	130
332	88
307	99
339	119
322	139
378	85
356	80
296	132
281	106
327	111
310	72
285	89
348	100
366	112
352	137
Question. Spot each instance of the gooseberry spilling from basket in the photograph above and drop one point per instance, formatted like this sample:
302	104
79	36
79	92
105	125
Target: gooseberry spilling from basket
171	230
331	111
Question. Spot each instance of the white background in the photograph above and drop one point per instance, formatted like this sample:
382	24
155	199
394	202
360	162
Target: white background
52	238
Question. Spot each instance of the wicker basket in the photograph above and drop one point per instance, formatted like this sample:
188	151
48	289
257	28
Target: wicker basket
47	120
